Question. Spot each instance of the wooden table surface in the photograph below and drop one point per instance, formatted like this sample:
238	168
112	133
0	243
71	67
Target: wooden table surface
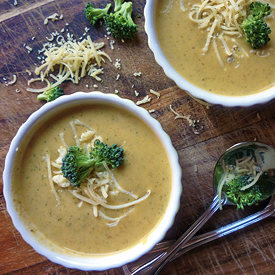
248	251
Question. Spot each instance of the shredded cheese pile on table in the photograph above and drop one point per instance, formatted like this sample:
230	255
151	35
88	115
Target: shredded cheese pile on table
73	60
96	188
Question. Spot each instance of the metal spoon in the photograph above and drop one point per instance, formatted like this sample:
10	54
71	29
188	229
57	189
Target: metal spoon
150	257
263	154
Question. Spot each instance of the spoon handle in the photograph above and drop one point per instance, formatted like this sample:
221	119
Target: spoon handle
156	266
135	267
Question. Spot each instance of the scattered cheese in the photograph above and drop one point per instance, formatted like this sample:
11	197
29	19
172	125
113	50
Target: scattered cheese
112	42
14	78
53	17
190	121
117	64
51	38
155	93
28	48
146	99
137	74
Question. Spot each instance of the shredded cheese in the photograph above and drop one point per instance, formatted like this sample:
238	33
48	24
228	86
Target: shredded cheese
53	17
14	78
220	19
157	94
50	178
75	60
190	121
146	99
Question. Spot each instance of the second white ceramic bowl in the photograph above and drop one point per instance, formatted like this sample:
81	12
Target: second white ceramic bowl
197	93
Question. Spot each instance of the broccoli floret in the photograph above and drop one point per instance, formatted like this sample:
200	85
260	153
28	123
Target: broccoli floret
120	23
51	94
76	165
112	155
255	29
118	4
240	197
259	10
93	14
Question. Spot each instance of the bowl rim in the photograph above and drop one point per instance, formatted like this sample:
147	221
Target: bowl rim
196	92
95	263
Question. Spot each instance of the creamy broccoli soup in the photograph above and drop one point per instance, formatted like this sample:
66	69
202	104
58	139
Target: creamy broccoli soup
71	223
227	65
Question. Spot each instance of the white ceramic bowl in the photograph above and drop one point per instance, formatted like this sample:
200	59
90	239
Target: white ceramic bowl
197	93
102	262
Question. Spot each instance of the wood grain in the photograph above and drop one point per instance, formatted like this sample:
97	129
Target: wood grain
249	251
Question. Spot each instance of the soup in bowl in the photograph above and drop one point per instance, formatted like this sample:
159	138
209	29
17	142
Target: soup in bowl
201	46
115	213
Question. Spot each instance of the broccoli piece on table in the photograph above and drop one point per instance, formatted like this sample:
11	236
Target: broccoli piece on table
51	94
240	197
120	23
76	165
255	29
93	14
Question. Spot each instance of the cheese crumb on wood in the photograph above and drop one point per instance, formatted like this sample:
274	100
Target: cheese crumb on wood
14	78
146	99
155	93
53	17
193	123
118	64
190	121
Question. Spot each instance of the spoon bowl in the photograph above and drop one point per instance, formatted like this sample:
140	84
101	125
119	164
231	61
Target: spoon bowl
244	159
261	160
